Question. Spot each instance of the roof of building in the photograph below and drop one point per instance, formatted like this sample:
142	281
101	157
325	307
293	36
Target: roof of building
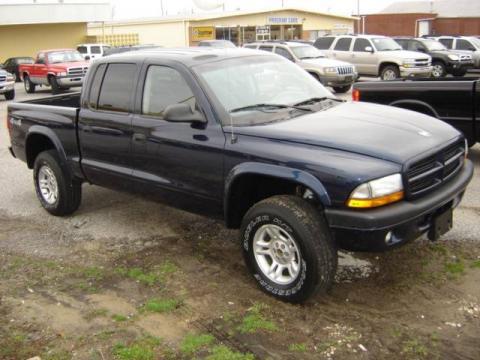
219	15
443	8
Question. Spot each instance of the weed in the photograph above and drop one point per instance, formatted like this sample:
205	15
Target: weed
476	264
222	352
168	268
414	348
162	305
96	313
93	273
192	343
297	347
139	275
455	268
255	320
143	349
119	318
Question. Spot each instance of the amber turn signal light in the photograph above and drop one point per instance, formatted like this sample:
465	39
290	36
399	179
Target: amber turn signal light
375	202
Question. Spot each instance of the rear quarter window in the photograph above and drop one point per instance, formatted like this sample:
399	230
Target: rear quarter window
324	43
343	44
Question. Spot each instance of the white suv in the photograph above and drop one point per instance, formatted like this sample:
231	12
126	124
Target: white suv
339	75
376	55
468	43
92	51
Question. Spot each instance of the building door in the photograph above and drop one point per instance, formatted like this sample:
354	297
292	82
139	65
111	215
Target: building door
423	28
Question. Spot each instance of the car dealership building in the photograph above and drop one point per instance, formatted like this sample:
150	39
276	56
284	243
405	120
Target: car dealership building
239	27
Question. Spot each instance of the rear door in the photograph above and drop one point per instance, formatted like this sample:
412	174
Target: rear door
105	124
179	162
341	49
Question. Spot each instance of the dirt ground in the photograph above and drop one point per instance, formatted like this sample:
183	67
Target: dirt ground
126	278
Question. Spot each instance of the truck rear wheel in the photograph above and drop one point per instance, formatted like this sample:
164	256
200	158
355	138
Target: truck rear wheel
29	86
288	247
58	193
10	95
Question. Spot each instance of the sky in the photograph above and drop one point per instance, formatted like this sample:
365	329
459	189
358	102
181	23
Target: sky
125	9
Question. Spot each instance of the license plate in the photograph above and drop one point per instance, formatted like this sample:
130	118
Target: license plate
441	224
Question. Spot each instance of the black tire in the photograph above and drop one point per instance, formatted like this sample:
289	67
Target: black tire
52	80
459	72
69	189
305	224
439	70
342	89
390	72
29	86
10	95
17	77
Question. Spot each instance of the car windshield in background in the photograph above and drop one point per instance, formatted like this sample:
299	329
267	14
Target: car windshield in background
433	45
475	41
25	61
307	52
245	82
385	44
64	57
221	44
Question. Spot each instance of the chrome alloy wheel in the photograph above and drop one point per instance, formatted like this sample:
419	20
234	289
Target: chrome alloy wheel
437	71
277	254
389	75
47	183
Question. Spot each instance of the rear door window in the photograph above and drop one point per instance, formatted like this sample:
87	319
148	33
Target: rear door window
324	43
447	42
117	88
95	88
95	50
343	44
464	45
266	48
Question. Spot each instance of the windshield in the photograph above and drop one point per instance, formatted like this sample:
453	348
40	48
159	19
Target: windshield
307	52
385	44
247	81
433	45
64	57
475	41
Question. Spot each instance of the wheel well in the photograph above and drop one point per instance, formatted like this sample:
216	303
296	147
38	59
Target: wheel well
314	74
36	144
249	189
384	65
24	74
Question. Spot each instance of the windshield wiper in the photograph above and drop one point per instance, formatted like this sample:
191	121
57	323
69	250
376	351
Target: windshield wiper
315	100
275	106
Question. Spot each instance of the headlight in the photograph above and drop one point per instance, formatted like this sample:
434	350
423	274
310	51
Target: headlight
62	74
408	62
330	70
453	57
378	192
9	78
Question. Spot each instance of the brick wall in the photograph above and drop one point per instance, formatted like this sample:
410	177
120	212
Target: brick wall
392	24
457	26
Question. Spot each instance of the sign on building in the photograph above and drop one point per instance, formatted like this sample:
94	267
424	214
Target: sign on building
203	33
283	20
263	32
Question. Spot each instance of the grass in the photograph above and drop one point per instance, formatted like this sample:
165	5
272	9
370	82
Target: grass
476	264
302	347
143	349
119	318
93	273
147	278
161	305
255	320
455	268
192	343
414	348
222	352
96	313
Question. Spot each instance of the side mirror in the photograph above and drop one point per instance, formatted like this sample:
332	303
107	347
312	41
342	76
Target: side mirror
87	57
369	49
421	49
472	49
183	113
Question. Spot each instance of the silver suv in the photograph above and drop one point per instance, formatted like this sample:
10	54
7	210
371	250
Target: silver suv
376	55
337	74
7	83
467	43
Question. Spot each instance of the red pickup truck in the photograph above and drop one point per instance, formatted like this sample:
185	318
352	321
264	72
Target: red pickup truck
60	69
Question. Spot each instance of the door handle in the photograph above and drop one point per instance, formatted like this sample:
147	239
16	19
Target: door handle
139	137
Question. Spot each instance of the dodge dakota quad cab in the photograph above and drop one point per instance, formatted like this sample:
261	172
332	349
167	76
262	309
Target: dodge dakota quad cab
59	69
252	138
461	110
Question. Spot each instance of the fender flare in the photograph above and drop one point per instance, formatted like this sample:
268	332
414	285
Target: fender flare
50	134
286	173
399	103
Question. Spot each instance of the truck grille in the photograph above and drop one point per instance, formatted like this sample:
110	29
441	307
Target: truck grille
345	70
425	175
466	58
422	62
78	71
3	78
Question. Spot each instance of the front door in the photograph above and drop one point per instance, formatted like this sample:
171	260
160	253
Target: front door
179	162
364	57
105	129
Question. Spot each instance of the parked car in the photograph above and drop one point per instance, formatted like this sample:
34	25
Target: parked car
60	69
217	43
465	43
92	51
338	74
375	55
455	101
11	65
249	137
7	85
123	49
444	61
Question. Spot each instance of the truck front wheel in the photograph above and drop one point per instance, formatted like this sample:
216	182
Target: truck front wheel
58	193
29	86
390	72
288	247
10	95
342	89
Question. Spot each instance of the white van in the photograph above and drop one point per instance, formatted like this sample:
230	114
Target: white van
92	51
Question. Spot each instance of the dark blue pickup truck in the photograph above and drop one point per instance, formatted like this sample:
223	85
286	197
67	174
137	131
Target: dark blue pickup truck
251	138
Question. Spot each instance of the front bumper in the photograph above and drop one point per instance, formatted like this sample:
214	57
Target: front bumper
406	220
7	86
70	81
425	71
338	80
459	66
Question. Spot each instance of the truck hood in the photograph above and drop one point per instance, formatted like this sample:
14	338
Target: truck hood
69	65
323	62
378	131
404	54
